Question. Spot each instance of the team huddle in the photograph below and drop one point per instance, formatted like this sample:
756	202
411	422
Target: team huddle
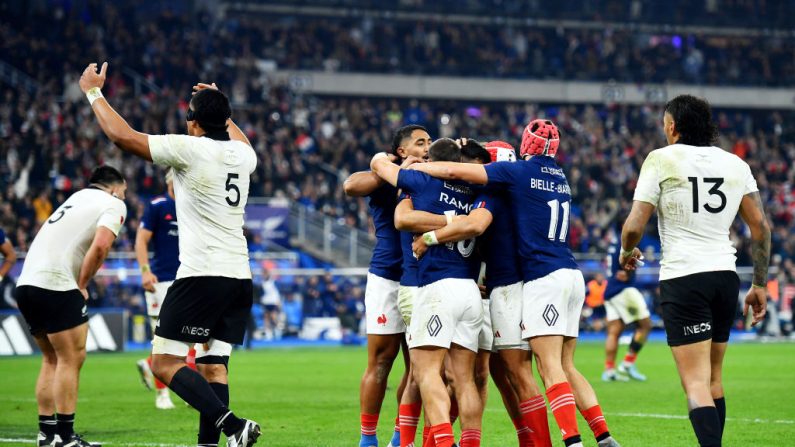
477	205
471	275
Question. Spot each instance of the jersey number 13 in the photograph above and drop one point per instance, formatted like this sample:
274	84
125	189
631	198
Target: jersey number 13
713	191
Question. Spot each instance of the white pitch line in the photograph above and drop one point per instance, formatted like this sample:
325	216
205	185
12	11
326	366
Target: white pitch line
682	416
124	444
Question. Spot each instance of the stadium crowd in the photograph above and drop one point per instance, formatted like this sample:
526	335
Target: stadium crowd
308	144
429	46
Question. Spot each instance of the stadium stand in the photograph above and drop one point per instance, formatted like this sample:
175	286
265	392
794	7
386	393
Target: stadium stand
308	143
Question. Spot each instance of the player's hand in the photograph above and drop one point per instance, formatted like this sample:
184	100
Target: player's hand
461	142
201	86
622	276
90	78
410	160
631	262
84	292
482	291
148	280
756	301
418	247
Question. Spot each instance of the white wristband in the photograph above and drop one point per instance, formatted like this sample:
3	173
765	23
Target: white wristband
449	214
430	238
626	253
93	94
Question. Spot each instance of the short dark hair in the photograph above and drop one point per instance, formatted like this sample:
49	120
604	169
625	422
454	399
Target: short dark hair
693	120
211	109
106	176
444	149
475	151
402	133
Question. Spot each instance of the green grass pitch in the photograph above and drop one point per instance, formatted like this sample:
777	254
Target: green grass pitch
309	397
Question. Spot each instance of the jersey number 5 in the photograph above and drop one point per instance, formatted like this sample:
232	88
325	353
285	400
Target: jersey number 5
714	191
60	214
232	187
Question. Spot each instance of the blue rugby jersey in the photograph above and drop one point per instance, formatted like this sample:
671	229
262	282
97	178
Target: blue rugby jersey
541	202
160	217
498	244
614	286
386	259
410	264
454	259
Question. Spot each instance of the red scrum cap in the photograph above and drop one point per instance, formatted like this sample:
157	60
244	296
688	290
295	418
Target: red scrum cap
540	137
500	151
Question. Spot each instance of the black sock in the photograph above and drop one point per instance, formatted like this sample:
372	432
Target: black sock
573	440
194	389
706	424
209	434
634	346
47	425
720	405
603	436
66	426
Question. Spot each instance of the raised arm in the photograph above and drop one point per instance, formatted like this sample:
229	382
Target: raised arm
632	233
95	256
448	170
752	212
112	124
460	229
409	219
361	184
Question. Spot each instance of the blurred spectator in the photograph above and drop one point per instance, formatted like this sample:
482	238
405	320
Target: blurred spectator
293	314
272	302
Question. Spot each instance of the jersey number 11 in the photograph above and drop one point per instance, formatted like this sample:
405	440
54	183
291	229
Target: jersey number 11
554	206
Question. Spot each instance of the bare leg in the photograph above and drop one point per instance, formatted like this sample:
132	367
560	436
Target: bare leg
381	353
45	386
70	349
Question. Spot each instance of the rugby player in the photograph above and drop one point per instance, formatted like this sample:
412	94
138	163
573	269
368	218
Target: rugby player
52	292
491	220
624	304
210	301
385	325
554	288
447	313
411	222
159	222
698	189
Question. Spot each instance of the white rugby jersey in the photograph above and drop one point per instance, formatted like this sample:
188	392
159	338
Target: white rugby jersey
211	181
697	191
56	254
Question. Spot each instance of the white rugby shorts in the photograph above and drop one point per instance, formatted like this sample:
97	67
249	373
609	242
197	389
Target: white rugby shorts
154	300
381	306
445	312
552	305
486	337
506	317
406	296
629	306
